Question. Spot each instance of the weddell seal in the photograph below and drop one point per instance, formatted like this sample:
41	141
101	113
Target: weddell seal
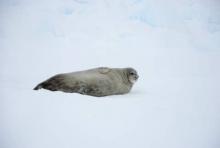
102	81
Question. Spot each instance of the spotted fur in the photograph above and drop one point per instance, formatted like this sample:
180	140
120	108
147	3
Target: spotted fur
102	81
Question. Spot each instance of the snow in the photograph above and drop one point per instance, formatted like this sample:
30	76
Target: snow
174	46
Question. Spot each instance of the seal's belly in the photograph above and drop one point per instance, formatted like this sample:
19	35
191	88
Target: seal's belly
101	87
95	85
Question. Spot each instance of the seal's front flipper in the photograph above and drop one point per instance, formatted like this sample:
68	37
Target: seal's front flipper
104	70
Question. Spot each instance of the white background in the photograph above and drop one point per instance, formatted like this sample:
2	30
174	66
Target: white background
174	46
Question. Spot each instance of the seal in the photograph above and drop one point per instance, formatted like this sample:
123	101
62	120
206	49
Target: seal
101	81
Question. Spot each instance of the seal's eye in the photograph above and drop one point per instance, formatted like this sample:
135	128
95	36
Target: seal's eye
132	73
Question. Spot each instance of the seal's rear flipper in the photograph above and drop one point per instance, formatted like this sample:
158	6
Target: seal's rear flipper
52	84
39	86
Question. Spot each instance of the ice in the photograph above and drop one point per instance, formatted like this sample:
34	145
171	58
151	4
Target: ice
174	46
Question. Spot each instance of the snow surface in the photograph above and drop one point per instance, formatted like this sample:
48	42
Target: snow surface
173	44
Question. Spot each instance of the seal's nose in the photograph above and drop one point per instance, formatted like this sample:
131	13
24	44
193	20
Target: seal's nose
136	77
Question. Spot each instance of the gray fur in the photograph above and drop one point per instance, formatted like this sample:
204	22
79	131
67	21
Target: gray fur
98	82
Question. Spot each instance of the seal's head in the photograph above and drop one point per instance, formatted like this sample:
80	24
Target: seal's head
132	75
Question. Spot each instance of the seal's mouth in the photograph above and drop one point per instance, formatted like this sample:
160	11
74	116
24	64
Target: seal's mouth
134	79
